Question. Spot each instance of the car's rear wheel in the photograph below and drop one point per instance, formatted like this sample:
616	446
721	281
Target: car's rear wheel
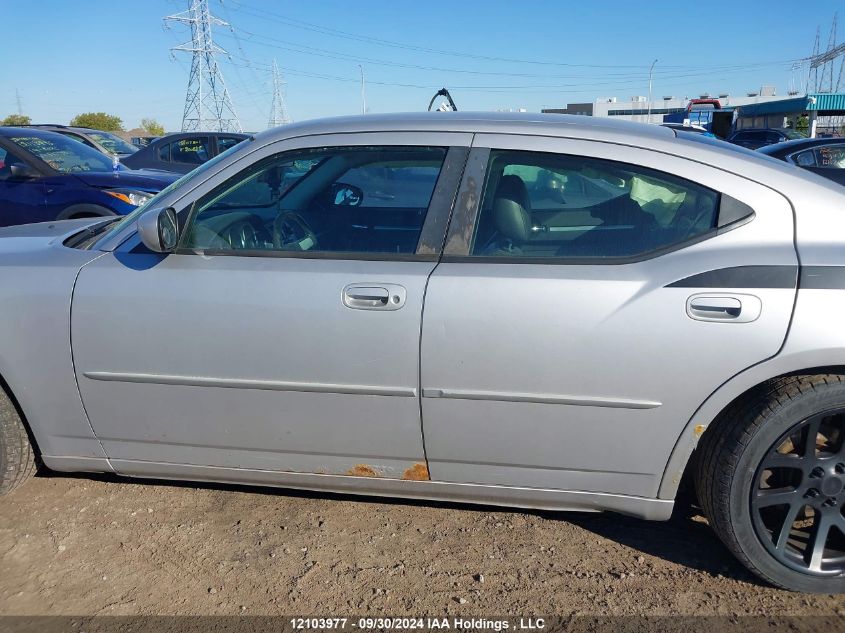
771	481
17	459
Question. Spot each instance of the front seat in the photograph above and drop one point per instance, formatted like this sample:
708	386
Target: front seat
511	217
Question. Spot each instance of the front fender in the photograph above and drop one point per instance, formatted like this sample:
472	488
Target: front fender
37	276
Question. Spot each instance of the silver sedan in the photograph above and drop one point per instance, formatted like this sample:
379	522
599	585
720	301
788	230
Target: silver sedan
541	312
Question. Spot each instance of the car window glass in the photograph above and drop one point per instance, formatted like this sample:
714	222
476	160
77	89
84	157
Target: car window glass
113	143
190	150
327	200
63	154
550	205
76	137
5	163
830	156
164	152
225	142
807	158
773	137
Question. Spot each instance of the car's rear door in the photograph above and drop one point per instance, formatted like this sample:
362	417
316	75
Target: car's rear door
578	320
252	349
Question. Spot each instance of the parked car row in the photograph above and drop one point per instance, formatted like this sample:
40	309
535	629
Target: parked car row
53	172
48	176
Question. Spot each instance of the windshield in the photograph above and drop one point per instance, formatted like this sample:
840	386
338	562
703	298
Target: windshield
114	144
191	176
793	134
63	154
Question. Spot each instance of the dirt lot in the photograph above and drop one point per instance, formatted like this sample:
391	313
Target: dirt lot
100	545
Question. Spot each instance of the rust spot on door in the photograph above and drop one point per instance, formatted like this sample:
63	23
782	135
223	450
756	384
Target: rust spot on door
363	470
699	429
417	472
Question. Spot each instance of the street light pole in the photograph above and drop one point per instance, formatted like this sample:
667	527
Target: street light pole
363	93
650	71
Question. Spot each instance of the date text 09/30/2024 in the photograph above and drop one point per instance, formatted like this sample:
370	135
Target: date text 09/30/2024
417	623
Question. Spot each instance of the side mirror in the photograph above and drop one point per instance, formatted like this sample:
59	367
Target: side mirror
344	195
21	171
159	230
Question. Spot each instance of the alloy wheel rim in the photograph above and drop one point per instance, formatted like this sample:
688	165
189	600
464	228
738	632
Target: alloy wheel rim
798	496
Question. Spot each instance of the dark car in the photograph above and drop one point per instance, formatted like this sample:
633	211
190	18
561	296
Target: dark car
104	142
824	156
47	176
183	151
756	138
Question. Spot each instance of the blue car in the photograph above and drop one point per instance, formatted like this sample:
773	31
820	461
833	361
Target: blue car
46	176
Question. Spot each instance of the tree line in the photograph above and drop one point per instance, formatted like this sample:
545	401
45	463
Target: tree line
95	121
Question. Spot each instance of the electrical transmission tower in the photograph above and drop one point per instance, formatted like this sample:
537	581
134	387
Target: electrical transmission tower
822	64
207	103
278	111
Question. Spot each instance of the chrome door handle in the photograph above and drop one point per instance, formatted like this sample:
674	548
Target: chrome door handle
737	308
374	296
716	307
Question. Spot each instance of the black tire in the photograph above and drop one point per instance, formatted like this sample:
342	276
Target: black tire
17	459
743	499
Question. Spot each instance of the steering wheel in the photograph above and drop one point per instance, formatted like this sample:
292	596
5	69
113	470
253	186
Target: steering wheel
292	233
242	235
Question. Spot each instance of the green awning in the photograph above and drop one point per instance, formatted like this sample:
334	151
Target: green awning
813	102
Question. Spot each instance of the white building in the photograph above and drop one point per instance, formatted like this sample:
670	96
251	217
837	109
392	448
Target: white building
637	108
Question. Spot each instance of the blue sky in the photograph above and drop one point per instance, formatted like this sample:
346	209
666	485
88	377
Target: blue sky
70	57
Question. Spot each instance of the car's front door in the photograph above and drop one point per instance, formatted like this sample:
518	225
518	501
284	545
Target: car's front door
284	334
600	294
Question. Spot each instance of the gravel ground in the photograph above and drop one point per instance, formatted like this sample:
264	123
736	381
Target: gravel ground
100	545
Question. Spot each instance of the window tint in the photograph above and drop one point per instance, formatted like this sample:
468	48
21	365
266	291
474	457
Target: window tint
164	152
807	158
225	142
830	156
349	200
190	150
63	154
112	143
550	205
76	137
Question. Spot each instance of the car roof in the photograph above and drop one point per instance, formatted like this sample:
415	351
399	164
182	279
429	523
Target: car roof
37	132
764	129
196	134
59	126
478	122
794	145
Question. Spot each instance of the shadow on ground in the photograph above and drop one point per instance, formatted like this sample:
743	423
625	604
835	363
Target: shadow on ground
684	540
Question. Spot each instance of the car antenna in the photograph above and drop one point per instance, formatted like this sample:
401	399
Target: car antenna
443	107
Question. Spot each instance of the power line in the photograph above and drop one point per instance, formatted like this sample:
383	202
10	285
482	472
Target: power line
500	88
309	26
